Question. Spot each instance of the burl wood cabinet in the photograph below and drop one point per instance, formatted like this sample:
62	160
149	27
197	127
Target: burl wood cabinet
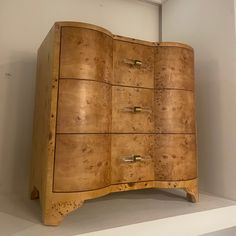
111	114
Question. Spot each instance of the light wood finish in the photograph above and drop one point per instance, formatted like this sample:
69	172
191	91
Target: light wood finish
76	159
174	111
82	162
86	54
174	45
124	147
45	123
174	68
83	107
175	157
61	204
126	72
124	102
133	40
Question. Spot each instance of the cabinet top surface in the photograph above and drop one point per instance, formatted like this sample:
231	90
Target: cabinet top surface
118	37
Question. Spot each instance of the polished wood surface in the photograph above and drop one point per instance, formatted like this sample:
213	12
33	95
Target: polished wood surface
44	124
41	132
86	54
85	128
82	162
123	168
126	72
61	204
124	102
175	157
174	111
83	107
174	68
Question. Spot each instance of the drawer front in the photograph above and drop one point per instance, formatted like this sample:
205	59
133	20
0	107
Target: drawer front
132	110
86	54
174	111
133	64
82	162
174	68
175	157
83	107
132	158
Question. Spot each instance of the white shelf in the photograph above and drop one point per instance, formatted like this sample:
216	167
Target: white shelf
143	212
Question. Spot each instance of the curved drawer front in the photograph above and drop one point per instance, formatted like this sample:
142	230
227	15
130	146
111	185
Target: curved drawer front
174	68
82	162
132	158
83	107
86	54
133	64
174	111
175	157
132	110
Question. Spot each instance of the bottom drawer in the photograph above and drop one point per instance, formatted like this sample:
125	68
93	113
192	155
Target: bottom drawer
82	162
91	161
132	158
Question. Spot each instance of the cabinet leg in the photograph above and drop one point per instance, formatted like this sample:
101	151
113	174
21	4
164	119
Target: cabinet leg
34	194
192	193
56	211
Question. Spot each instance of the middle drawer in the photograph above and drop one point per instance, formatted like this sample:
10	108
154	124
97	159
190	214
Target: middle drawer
132	110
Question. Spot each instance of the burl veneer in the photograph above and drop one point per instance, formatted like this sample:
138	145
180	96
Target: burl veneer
111	114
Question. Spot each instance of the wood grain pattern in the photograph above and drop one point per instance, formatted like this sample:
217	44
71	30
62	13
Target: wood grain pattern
41	114
61	204
174	45
174	111
84	25
126	145
82	162
83	107
86	54
45	117
131	75
123	102
86	57
58	209
174	68
175	157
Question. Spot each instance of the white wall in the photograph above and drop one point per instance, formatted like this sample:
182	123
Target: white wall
209	26
23	26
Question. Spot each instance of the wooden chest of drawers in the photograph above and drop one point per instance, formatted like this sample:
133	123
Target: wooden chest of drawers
111	114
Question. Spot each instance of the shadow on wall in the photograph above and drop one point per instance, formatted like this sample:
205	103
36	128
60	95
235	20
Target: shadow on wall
17	81
208	113
212	90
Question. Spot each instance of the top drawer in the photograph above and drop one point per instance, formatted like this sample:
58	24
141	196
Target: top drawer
133	64
86	54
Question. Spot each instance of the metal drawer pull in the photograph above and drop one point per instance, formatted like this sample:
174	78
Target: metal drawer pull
136	109
133	62
133	158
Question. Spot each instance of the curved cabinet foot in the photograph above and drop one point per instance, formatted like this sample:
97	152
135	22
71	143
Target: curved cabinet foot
56	211
34	194
192	193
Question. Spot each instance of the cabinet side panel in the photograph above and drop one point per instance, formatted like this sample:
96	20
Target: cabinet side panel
44	111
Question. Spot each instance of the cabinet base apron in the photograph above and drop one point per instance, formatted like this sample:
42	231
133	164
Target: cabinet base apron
57	205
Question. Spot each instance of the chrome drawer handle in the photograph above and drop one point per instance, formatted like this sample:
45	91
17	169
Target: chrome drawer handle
136	109
133	62
133	158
